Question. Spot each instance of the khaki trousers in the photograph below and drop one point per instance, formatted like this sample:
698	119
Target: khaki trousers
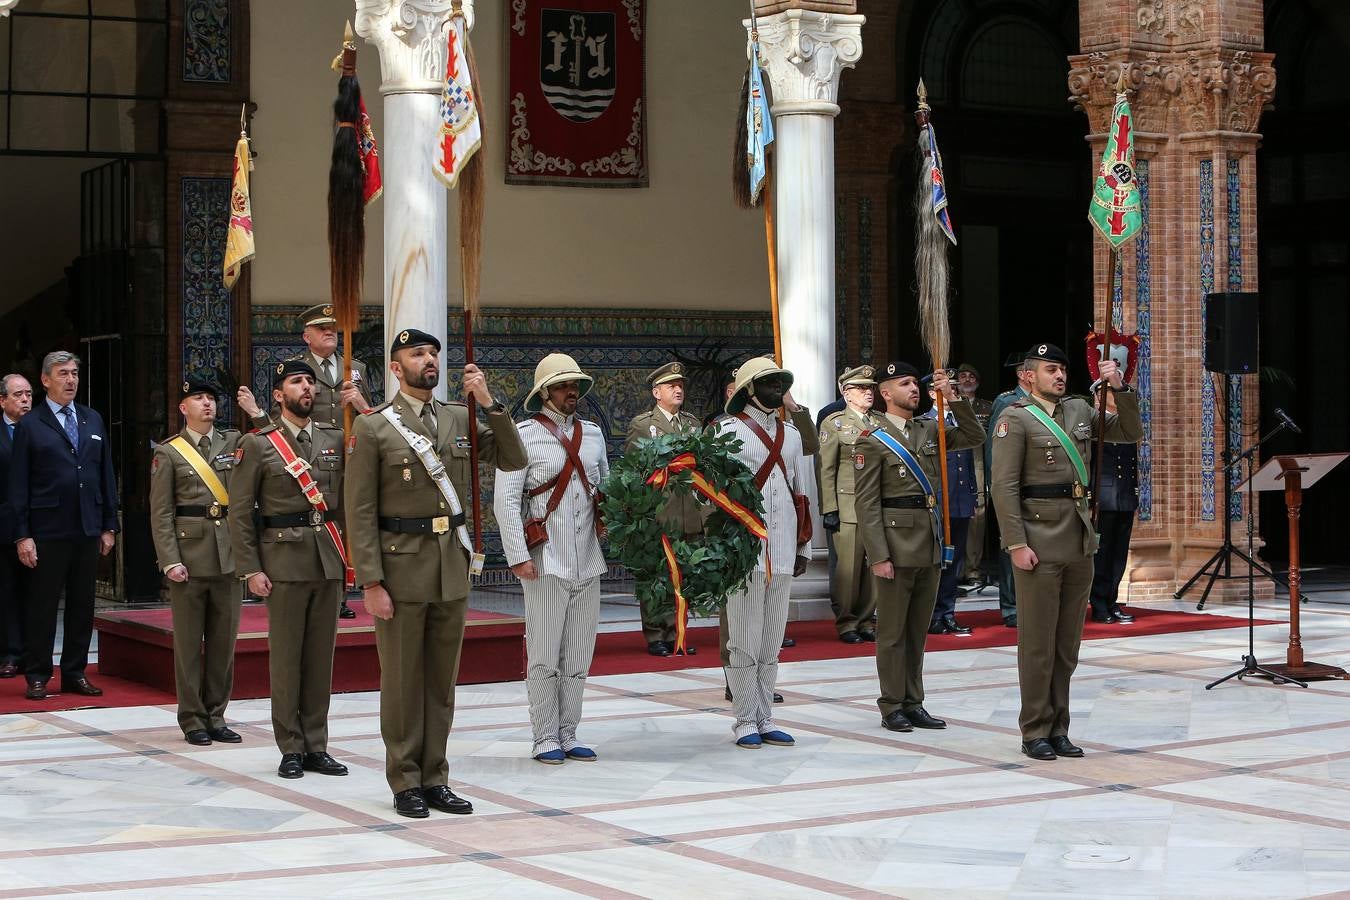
1051	603
851	590
205	612
301	630
904	612
419	661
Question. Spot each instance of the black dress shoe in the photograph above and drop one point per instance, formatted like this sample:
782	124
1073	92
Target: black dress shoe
1121	615
8	669
442	798
1010	622
346	612
225	735
323	764
938	627
657	648
1062	746
1108	619
777	697
687	651
1038	748
291	767
851	637
869	636
955	627
37	690
896	721
788	642
198	738
411	803
920	718
80	685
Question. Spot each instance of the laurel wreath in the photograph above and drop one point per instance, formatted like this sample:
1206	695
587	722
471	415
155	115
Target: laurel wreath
712	565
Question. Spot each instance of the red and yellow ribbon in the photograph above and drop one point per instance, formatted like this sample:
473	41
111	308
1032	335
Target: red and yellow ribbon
659	479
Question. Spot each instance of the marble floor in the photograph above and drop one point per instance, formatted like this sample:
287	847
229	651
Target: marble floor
1243	791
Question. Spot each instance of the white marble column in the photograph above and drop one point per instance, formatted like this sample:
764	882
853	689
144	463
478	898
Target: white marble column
805	52
411	38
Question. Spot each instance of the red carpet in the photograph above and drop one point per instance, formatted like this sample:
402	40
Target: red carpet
620	653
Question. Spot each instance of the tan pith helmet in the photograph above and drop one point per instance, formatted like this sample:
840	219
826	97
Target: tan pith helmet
555	369
758	367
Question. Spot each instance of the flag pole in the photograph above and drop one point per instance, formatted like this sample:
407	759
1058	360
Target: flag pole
932	271
1101	387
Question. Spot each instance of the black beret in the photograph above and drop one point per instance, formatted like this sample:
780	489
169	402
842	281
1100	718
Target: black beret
200	384
896	369
284	370
1049	353
412	337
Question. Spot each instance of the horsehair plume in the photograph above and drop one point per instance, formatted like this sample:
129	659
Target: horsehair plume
346	204
932	269
472	197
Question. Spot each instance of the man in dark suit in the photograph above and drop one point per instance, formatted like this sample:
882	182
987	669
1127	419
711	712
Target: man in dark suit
64	494
16	399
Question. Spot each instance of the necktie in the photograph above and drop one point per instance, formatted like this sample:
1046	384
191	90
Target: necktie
302	438
328	368
11	430
429	419
204	447
72	430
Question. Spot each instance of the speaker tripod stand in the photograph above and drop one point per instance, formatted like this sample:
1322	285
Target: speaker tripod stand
1220	565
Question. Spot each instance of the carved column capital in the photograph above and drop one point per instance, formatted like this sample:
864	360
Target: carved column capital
805	52
411	38
1212	90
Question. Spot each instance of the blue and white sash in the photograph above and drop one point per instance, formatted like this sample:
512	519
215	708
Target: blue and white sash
902	452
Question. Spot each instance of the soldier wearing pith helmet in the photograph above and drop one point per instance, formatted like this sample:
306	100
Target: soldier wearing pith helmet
667	417
1038	482
840	458
407	489
189	500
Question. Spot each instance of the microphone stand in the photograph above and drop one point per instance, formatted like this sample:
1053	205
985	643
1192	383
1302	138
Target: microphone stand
1250	664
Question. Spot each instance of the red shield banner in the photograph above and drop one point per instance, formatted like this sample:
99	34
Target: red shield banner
577	95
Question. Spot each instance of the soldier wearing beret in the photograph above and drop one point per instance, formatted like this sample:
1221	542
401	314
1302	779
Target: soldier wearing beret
291	554
189	501
1038	484
901	529
407	482
968	385
840	459
667	417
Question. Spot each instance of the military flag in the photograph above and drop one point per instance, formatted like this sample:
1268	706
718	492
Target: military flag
759	127
239	237
933	160
1114	210
461	130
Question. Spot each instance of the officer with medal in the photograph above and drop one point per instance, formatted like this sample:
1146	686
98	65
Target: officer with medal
901	529
667	417
840	460
1038	484
285	497
189	501
410	547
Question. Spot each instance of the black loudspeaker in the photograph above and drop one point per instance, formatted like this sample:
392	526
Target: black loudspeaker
1231	324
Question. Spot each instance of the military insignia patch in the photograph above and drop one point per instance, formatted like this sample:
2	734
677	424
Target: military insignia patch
328	310
1001	430
407	474
154	464
239	455
462	443
351	444
858	460
652	429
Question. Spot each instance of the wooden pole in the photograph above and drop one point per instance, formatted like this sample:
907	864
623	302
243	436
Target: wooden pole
1293	501
942	468
475	490
1095	502
771	241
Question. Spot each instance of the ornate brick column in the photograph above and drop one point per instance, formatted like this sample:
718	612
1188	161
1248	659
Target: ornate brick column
1197	81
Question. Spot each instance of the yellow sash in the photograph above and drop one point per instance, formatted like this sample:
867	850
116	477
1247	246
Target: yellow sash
204	472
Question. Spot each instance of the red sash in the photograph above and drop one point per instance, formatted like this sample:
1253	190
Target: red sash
774	446
299	470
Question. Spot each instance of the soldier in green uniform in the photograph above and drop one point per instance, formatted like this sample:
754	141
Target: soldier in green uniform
839	460
1038	484
406	516
968	384
291	558
667	417
189	500
901	530
1007	590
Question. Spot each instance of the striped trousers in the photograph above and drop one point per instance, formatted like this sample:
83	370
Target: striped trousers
560	620
756	620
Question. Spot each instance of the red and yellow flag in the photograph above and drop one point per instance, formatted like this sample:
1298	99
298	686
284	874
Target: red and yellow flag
239	238
461	131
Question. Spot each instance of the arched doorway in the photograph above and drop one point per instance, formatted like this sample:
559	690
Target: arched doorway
1017	168
1305	260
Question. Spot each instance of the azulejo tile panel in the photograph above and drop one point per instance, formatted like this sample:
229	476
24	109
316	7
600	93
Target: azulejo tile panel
1144	329
1207	418
1234	425
207	318
206	41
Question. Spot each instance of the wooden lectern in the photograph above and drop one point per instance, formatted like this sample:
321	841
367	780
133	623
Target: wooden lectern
1292	474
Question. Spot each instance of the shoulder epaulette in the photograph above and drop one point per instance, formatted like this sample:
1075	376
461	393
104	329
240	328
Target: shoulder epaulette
1022	403
326	426
267	429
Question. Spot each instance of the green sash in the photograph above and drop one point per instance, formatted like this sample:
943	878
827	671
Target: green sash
1065	441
